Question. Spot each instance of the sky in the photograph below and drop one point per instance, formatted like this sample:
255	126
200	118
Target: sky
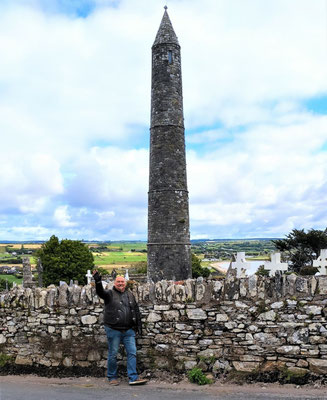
75	81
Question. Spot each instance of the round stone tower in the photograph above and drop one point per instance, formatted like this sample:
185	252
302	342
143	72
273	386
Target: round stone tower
169	248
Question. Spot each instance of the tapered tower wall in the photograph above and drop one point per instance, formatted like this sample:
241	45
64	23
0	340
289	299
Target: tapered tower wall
169	249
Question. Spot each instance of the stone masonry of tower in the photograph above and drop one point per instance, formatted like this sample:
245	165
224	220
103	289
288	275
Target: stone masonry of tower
169	248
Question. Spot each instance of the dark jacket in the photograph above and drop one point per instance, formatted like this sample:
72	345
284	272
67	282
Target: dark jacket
121	311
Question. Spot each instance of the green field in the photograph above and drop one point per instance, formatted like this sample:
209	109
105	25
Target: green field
127	246
11	278
118	258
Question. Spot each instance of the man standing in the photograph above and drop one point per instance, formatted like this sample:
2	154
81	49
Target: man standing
121	320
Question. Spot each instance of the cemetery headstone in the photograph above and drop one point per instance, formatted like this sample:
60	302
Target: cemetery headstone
275	265
240	265
88	276
321	262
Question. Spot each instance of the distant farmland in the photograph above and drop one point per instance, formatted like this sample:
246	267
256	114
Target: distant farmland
126	254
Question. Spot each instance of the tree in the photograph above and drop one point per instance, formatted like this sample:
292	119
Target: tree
65	260
197	269
301	248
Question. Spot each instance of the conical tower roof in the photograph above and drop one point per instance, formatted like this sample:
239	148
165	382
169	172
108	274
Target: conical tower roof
166	33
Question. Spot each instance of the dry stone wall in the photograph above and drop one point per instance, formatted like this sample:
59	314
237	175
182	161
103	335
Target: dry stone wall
245	324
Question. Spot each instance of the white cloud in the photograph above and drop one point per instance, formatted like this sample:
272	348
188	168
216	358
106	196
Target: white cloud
74	116
62	218
268	174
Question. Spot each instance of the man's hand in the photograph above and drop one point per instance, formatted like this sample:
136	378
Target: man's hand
96	275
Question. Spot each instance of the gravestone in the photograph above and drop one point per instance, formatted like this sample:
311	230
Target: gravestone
88	276
274	264
240	265
321	262
27	274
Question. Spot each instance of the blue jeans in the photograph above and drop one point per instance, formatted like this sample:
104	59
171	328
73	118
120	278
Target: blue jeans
114	339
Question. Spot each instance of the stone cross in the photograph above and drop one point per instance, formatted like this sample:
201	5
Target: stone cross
88	276
321	262
40	272
240	264
274	264
27	274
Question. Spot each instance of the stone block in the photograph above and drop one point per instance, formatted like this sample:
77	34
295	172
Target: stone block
205	342
313	310
318	366
67	362
317	339
189	364
267	339
46	362
196	313
21	360
154	317
65	334
93	355
222	318
221	365
89	319
288	350
241	305
298	371
161	307
302	363
322	284
210	353
300	336
272	365
267	316
245	366
172	315
277	305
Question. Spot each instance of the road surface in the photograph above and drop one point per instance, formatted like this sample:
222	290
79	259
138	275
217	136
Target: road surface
35	388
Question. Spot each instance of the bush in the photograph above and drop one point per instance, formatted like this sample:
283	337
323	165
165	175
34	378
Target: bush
196	375
197	269
141	267
64	261
261	271
4	359
308	270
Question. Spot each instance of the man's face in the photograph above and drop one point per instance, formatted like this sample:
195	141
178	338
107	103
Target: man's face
120	283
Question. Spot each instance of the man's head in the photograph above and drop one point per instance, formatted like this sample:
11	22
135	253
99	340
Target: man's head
120	283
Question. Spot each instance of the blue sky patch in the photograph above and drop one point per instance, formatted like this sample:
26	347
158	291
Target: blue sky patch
317	105
75	8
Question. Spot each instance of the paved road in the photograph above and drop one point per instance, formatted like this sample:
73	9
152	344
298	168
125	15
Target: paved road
41	389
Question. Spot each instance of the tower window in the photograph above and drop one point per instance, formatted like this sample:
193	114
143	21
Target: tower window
170	57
